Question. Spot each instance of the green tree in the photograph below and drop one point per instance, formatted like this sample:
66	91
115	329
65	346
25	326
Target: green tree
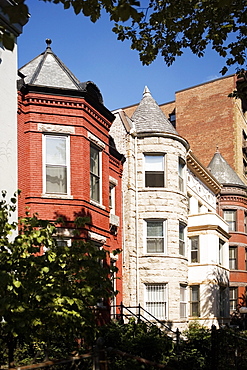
167	27
139	339
56	291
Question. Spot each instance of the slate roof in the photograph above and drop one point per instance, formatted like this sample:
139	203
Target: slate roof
223	172
47	70
148	117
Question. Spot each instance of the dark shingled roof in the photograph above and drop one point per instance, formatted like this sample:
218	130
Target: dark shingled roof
223	172
48	70
148	117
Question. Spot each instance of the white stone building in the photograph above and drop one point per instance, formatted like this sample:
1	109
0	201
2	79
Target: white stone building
208	249
8	106
156	254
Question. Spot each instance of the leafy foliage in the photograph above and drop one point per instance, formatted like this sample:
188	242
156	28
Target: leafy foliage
51	292
166	27
137	339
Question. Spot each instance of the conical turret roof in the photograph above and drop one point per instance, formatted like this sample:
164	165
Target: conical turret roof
148	117
48	70
223	172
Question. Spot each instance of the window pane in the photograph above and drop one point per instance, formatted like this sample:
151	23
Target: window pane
182	301
181	239
232	258
154	228
155	237
233	296
154	163
56	179
156	303
56	150
154	179
94	160
230	218
94	188
155	245
154	171
195	249
181	231
194	301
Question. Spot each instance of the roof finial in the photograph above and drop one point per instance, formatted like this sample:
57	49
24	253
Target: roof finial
48	42
146	91
217	149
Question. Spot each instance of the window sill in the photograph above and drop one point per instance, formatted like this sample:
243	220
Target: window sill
57	196
97	204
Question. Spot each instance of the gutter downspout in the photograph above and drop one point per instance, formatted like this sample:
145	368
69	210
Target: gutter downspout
136	226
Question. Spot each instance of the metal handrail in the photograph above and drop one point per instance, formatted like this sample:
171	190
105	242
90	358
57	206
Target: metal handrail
139	316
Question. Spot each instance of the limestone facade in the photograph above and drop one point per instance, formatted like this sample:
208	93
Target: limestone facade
185	206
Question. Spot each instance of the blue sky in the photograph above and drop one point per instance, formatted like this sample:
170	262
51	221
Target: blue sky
92	52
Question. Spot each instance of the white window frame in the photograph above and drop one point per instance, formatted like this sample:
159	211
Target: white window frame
193	302
233	298
146	165
181	174
221	251
67	165
92	145
112	198
183	301
182	241
197	251
230	216
145	229
156	301
233	257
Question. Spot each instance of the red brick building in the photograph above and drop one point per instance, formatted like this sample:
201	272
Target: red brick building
232	206
208	118
67	162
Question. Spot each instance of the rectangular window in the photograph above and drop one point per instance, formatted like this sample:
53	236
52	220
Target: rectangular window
194	248
233	298
230	218
183	301
154	171
182	238
155	236
156	301
195	301
181	167
221	249
56	164
232	258
223	301
112	198
94	173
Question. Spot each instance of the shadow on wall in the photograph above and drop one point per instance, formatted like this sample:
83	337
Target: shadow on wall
79	226
215	296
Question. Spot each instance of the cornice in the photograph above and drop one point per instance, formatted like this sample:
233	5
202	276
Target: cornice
216	228
202	173
233	198
52	101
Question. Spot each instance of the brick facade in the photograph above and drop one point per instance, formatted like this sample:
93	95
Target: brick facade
43	113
